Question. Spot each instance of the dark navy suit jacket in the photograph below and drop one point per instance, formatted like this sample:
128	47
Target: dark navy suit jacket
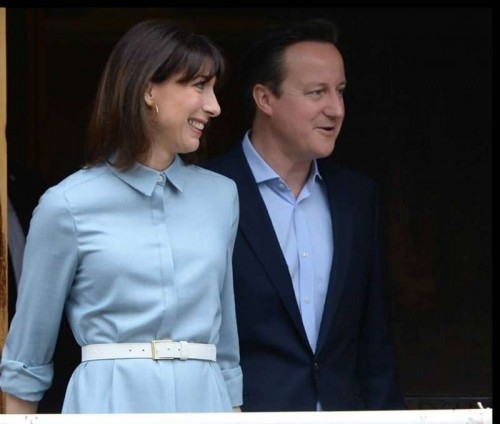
354	365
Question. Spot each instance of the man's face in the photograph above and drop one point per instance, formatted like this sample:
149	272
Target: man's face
307	116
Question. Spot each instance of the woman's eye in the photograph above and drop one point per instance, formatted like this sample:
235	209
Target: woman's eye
200	84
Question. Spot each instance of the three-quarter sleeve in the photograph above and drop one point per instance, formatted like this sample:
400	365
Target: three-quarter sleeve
228	347
49	266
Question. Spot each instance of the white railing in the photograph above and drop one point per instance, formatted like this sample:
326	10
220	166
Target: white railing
434	416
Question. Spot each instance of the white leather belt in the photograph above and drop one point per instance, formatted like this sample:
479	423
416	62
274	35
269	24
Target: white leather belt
156	349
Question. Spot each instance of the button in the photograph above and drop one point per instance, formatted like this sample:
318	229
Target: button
305	254
316	366
161	179
282	186
307	299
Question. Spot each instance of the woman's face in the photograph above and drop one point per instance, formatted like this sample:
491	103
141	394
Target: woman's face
181	111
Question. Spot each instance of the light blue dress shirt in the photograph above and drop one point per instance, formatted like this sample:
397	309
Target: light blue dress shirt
304	229
131	256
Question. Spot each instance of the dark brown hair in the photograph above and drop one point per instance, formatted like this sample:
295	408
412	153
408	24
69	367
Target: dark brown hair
263	62
151	51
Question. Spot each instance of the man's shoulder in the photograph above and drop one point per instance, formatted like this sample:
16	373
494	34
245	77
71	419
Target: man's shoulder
225	162
344	174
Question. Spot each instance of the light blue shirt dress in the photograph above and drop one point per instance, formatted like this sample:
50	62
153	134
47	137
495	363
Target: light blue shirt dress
130	257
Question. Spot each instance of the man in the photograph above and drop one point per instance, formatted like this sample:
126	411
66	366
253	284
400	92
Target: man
307	261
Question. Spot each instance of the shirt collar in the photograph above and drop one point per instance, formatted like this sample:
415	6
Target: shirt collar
262	171
144	179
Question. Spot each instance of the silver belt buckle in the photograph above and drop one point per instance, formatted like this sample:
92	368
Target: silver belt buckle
154	351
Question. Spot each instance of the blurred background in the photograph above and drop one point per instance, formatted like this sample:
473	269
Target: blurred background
418	120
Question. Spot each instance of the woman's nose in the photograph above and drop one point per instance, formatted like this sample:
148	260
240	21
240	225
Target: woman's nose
212	106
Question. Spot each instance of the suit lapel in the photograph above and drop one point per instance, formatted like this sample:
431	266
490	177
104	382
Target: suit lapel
257	229
340	209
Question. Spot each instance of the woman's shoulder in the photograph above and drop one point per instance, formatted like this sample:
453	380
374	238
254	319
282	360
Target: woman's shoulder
211	177
76	183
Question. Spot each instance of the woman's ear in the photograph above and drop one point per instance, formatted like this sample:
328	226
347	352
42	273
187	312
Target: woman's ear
148	95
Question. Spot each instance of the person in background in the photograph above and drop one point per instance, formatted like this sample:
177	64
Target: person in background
24	188
308	258
111	246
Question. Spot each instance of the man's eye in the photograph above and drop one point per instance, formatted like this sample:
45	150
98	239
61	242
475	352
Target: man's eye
317	92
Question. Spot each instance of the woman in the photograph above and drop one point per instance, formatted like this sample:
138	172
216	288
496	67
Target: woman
136	247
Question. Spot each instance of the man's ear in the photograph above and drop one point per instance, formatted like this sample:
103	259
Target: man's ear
261	97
